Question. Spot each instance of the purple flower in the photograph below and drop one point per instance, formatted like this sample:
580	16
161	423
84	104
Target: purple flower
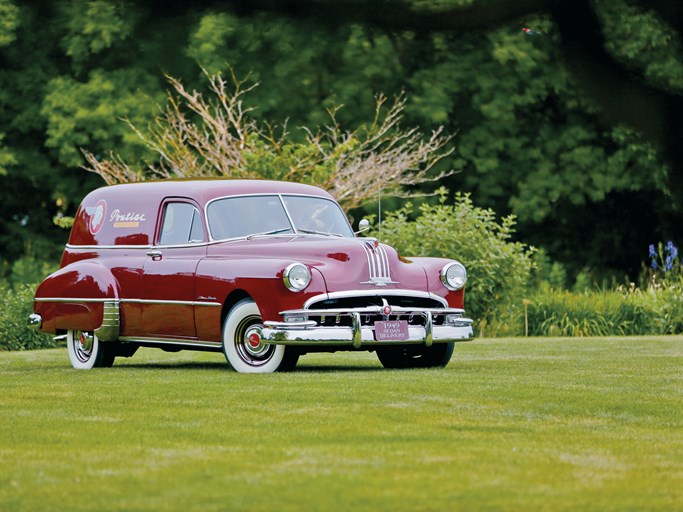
672	250
653	256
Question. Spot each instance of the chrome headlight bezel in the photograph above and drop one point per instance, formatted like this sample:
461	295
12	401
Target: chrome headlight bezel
296	277
453	275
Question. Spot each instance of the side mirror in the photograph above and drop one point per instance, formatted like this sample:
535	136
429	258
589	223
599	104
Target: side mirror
363	225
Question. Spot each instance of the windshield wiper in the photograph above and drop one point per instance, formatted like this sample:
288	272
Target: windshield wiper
272	232
313	232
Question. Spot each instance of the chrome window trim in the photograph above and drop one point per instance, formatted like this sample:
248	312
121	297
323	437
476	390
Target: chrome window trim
374	293
180	200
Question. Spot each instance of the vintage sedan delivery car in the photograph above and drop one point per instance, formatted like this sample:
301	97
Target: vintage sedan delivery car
263	271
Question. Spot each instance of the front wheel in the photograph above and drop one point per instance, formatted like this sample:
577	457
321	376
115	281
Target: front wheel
86	351
243	347
410	356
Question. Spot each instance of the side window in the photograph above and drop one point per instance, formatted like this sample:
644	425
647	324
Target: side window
181	225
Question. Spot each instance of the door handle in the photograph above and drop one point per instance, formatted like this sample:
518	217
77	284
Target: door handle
155	255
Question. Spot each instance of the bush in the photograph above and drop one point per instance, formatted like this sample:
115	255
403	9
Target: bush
498	269
16	306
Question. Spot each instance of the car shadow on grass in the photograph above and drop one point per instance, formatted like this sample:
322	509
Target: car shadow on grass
222	367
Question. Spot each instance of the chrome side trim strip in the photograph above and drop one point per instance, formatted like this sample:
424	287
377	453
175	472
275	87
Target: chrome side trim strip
171	341
97	247
134	247
69	299
374	293
131	301
171	302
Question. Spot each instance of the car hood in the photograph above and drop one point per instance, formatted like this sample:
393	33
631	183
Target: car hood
345	263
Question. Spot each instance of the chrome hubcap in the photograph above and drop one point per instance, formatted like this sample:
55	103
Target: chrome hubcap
83	344
249	342
252	341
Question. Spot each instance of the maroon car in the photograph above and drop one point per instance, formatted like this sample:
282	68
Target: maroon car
263	271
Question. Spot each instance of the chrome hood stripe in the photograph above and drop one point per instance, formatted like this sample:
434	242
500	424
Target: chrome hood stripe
379	268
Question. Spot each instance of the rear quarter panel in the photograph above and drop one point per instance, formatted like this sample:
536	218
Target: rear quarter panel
87	282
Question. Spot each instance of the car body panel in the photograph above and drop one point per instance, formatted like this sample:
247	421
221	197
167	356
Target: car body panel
117	276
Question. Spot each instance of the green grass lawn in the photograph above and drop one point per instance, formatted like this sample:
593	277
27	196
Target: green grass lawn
523	424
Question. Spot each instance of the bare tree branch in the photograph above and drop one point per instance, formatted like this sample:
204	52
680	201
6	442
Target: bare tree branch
216	137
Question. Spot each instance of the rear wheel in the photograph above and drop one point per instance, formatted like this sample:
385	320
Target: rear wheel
411	356
243	347
86	351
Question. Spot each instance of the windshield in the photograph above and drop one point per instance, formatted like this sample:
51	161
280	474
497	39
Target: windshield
236	217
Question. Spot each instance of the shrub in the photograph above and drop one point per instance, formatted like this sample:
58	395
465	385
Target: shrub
29	270
619	312
498	269
16	306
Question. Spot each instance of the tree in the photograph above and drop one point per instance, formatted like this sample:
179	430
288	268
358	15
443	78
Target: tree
196	137
528	139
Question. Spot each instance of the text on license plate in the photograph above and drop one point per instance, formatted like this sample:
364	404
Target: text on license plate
393	330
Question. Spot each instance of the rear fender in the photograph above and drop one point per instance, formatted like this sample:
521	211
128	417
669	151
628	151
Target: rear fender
83	296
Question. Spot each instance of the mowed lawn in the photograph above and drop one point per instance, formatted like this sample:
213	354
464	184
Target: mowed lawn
510	424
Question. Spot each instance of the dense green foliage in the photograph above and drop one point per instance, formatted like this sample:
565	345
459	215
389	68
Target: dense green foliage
498	268
527	141
571	424
15	307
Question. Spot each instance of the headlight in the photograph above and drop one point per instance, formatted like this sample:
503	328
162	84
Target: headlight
454	276
296	277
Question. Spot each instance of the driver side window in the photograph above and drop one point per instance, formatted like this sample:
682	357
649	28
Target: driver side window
181	225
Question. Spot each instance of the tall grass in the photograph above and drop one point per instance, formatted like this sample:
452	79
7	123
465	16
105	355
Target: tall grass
603	313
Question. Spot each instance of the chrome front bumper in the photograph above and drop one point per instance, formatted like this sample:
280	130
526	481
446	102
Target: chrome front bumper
308	332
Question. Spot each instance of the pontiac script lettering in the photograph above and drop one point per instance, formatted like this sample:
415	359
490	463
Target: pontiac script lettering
126	220
391	330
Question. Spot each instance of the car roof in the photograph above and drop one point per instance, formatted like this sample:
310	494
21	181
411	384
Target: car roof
204	190
126	214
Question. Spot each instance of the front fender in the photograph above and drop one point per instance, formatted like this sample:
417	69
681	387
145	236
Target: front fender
75	297
260	278
432	268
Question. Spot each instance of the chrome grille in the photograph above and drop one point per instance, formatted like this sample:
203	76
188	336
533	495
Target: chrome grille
337	311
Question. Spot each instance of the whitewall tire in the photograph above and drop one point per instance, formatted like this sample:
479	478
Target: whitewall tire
86	351
243	347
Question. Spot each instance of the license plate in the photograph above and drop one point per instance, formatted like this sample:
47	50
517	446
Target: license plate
393	330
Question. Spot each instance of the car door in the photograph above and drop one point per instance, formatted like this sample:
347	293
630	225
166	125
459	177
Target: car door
168	280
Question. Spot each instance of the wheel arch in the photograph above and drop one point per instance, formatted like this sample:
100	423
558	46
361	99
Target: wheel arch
231	300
